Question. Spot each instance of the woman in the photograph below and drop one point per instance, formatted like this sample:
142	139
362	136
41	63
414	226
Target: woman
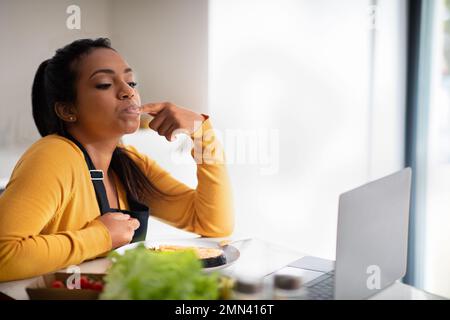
78	192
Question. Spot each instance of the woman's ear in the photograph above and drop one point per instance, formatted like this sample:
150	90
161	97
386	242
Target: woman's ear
65	112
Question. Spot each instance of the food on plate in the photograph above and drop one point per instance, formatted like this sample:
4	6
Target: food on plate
210	257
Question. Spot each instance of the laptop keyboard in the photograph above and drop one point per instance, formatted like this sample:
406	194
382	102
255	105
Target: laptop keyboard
321	288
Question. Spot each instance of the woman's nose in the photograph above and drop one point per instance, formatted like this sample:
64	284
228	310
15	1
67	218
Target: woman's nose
126	93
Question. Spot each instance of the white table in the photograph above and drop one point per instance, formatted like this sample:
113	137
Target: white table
396	291
258	258
252	261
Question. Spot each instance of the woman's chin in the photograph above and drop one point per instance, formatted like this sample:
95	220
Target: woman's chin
130	127
131	130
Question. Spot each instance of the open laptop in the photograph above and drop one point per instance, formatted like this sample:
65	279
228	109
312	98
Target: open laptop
372	239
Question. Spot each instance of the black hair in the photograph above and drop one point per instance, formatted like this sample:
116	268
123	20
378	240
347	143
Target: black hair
55	81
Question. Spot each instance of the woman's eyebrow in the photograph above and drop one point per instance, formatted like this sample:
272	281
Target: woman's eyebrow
109	71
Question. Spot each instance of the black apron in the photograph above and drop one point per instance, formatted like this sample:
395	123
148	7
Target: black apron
137	209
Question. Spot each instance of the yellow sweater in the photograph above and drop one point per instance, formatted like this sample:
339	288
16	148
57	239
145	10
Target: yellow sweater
49	207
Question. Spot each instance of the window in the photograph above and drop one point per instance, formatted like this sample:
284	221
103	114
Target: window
434	196
292	79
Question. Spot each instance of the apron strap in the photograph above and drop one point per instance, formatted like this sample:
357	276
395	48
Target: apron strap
138	210
97	177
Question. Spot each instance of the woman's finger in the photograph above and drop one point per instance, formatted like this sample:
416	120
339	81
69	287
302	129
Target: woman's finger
119	216
153	108
166	125
169	132
134	223
157	121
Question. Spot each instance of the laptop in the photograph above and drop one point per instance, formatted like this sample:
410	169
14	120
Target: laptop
372	240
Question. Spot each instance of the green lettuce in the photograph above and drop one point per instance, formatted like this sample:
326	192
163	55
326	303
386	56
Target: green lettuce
141	274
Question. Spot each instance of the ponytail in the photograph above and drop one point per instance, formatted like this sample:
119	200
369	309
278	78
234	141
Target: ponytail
46	121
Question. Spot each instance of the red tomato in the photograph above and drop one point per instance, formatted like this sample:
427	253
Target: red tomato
97	286
57	284
85	283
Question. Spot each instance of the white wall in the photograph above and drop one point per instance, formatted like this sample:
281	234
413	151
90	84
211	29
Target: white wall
165	41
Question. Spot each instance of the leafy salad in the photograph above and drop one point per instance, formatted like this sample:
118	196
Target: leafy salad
141	274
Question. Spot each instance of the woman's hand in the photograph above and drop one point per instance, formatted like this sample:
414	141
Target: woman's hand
169	117
120	226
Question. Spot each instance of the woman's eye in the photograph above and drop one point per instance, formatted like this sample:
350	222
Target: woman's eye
132	84
103	86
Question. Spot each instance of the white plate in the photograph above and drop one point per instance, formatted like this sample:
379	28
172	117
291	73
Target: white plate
231	252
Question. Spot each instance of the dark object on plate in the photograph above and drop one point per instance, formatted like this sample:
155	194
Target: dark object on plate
210	257
214	261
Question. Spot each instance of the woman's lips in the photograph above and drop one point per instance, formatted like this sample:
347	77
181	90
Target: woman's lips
132	110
